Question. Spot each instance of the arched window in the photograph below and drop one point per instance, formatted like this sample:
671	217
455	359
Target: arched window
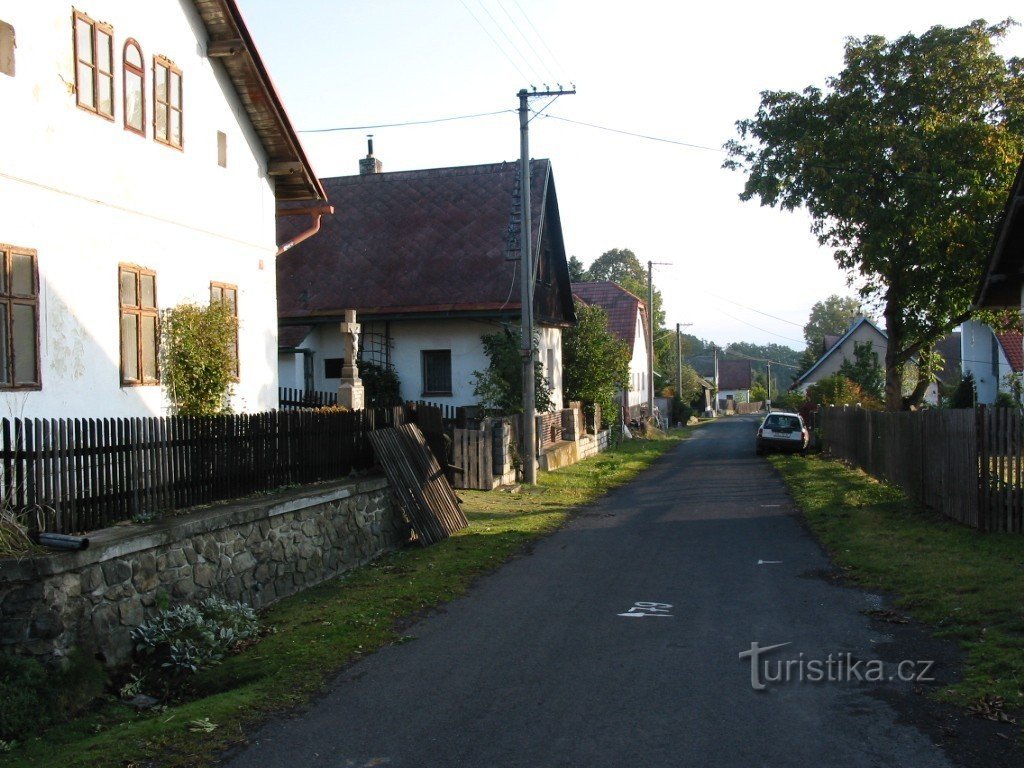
134	89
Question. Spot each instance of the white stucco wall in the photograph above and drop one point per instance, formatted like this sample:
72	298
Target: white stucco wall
976	354
409	339
638	366
87	195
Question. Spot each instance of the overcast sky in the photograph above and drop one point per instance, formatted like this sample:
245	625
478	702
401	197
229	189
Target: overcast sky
679	70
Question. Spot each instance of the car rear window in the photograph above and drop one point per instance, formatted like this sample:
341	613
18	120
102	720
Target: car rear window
782	422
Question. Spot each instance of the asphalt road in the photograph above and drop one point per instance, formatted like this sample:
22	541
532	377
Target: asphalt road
537	666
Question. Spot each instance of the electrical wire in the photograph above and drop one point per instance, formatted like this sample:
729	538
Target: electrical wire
540	59
493	40
408	122
509	39
758	328
744	306
636	135
539	35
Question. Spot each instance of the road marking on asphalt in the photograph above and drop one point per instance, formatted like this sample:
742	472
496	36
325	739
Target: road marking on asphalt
644	608
769	562
770	506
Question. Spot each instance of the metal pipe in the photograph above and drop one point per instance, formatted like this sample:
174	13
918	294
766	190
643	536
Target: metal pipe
63	541
316	212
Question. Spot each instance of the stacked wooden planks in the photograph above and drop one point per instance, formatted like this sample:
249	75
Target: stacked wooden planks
418	481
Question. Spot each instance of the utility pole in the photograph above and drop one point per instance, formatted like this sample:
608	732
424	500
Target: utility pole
526	286
650	335
715	405
769	383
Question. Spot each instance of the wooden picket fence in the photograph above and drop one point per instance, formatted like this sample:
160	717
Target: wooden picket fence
966	464
83	474
295	399
472	452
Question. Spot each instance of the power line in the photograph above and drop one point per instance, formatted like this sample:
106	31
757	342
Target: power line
539	35
637	135
407	122
758	328
744	306
493	40
727	352
509	39
540	59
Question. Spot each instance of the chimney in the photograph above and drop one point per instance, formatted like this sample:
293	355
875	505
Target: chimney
370	164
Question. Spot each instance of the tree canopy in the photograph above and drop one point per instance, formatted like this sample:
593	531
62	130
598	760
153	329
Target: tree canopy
594	361
903	161
830	317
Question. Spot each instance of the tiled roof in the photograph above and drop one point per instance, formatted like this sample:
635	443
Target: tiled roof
949	348
620	304
290	336
1012	343
414	242
733	374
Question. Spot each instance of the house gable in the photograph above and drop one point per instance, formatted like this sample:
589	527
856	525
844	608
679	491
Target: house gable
863	329
1003	279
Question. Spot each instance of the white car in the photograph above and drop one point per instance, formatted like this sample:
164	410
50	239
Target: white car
782	432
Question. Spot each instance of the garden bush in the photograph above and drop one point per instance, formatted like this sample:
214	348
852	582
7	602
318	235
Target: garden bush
186	638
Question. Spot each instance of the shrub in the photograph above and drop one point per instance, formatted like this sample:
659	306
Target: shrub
197	357
381	387
186	638
33	697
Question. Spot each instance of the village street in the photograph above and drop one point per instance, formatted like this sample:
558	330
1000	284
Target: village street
538	666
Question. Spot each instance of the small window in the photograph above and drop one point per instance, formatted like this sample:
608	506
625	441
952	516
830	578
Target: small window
167	104
437	372
94	65
139	327
7	46
19	319
228	293
222	149
134	89
332	367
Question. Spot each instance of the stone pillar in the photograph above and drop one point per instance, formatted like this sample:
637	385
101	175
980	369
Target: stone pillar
350	392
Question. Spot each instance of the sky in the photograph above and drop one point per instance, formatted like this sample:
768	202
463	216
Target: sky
676	70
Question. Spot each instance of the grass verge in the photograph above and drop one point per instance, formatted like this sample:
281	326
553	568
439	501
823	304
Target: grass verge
323	629
967	585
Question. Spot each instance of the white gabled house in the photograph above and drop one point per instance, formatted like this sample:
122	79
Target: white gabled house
144	152
991	357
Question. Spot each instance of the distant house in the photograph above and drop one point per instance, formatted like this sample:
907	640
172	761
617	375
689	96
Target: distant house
862	330
144	151
426	260
734	383
836	350
990	357
627	320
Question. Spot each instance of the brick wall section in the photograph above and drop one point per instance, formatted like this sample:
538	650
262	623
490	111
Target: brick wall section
254	551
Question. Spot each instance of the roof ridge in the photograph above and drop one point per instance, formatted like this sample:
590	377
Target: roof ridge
480	169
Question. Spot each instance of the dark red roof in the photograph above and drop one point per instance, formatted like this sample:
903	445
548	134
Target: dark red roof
1013	345
620	304
290	336
733	374
422	242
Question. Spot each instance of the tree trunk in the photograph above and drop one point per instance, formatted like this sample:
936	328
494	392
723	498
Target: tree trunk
893	364
924	380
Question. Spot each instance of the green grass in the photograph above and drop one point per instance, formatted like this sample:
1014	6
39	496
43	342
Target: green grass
968	586
325	628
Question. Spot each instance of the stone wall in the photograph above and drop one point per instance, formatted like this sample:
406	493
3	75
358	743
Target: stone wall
254	551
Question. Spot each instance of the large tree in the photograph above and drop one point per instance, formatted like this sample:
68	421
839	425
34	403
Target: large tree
902	161
830	317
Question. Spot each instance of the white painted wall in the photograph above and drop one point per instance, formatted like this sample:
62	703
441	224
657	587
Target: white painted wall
409	338
86	195
976	354
638	366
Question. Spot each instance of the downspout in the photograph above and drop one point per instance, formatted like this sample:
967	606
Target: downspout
316	212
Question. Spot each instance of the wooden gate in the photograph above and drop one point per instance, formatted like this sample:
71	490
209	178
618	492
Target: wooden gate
474	453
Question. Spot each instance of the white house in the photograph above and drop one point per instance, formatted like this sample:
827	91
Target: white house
837	350
427	260
990	358
144	152
627	320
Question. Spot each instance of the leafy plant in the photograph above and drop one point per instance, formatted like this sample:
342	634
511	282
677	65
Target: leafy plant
837	390
186	638
594	362
965	394
33	696
381	387
197	358
500	386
